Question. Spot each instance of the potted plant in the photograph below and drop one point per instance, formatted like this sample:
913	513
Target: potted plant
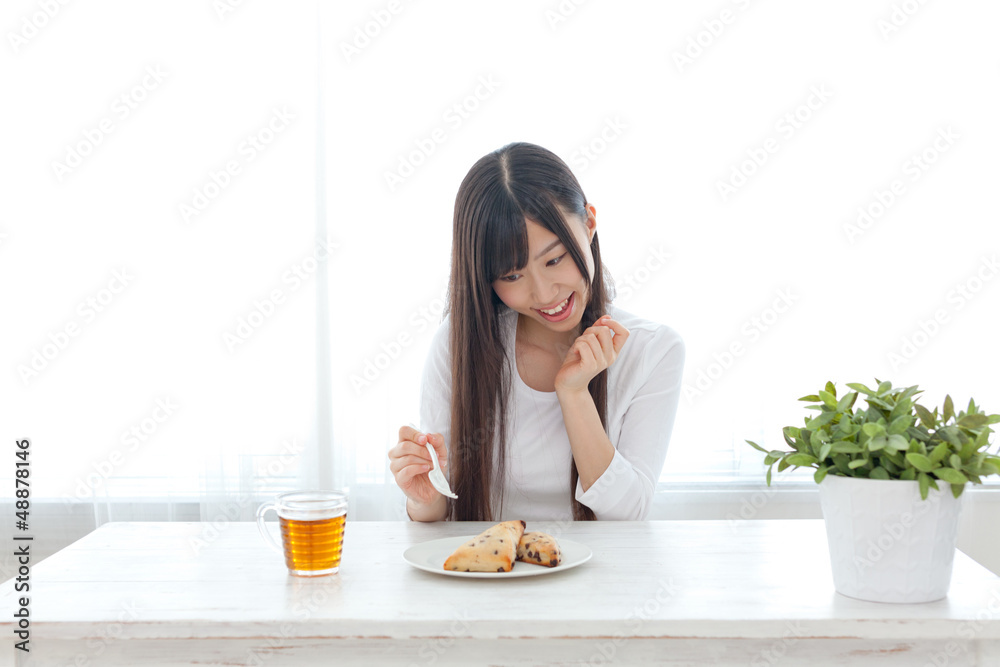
891	524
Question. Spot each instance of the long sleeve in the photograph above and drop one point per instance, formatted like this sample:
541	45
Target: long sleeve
435	390
435	386
625	491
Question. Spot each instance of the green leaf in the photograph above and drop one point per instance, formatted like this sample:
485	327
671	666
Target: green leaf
949	408
899	425
871	429
909	474
845	447
820	420
769	477
846	402
920	462
828	399
830	389
879	402
878	472
812	398
956	489
949	433
993	463
973	421
801	460
857	386
857	463
940	452
925	483
820	474
756	446
824	451
951	476
877	443
884	387
955	460
898	443
926	418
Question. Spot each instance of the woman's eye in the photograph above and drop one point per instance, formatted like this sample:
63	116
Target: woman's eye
510	278
553	262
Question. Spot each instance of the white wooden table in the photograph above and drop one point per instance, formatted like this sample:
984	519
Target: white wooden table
755	593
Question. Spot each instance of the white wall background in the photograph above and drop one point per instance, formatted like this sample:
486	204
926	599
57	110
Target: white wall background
604	85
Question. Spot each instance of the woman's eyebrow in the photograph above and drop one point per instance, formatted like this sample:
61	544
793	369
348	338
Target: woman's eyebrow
549	247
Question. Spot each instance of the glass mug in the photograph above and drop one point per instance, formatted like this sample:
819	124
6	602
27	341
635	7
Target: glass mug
312	530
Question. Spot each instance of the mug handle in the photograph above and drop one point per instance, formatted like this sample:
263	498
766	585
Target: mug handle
262	527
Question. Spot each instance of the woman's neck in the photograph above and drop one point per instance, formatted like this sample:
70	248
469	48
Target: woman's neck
535	335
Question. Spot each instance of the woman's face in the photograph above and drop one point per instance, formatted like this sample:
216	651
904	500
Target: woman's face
551	277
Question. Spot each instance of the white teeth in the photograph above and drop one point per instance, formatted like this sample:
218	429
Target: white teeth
558	309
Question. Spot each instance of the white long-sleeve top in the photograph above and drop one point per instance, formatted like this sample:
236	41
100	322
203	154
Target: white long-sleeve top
644	387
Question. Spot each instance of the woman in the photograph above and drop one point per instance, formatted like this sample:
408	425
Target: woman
541	398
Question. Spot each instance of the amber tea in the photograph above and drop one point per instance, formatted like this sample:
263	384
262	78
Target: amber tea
312	530
312	545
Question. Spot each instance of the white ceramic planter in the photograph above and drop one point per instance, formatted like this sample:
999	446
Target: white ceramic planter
886	543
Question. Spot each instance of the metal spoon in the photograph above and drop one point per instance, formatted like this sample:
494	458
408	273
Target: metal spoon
438	480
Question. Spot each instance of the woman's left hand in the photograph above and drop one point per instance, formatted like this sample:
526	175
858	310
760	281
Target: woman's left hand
593	351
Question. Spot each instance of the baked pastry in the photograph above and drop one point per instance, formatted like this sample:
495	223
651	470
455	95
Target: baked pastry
493	550
539	548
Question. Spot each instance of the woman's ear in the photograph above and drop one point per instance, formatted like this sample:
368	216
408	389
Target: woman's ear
591	223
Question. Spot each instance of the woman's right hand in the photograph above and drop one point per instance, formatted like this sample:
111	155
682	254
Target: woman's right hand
410	462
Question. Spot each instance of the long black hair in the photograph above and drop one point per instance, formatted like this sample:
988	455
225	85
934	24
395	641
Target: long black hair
490	239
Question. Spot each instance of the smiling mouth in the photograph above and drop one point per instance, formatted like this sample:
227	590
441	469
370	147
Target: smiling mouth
560	311
559	308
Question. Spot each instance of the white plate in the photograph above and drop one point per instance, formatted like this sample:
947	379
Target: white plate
430	556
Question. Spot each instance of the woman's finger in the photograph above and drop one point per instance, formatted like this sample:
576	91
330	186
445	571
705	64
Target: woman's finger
437	441
621	334
603	334
407	473
588	355
410	433
399	463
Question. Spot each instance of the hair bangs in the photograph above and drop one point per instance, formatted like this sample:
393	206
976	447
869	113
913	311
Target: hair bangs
505	242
